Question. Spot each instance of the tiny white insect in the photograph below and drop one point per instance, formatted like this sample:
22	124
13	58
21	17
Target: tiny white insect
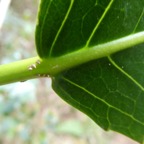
38	62
31	67
39	75
45	75
42	75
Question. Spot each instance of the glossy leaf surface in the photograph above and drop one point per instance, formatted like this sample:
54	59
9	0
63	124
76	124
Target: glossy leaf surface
110	90
67	26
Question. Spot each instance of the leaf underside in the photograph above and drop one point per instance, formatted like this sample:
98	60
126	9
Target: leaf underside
110	90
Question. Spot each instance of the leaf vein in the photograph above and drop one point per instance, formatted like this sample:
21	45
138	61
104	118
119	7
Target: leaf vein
79	102
125	73
60	29
141	15
108	104
42	27
99	22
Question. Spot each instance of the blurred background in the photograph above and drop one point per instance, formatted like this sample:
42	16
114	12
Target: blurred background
30	112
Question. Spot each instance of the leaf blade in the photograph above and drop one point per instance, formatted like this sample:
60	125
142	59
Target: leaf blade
112	87
113	100
85	21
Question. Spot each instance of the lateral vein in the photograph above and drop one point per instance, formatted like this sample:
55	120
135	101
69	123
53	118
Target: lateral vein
60	29
99	22
141	15
125	73
108	104
44	19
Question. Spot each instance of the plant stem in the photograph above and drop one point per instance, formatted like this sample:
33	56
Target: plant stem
16	71
36	67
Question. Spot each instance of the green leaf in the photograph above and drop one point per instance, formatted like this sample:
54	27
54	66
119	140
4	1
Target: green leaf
67	26
110	89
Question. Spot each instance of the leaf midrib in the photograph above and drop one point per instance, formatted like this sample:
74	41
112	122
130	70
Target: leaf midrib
65	19
56	65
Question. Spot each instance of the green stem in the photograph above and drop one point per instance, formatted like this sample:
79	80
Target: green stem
36	67
16	71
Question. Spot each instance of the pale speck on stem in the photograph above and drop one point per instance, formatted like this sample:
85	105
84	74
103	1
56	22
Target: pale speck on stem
31	67
56	66
42	75
38	75
38	62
